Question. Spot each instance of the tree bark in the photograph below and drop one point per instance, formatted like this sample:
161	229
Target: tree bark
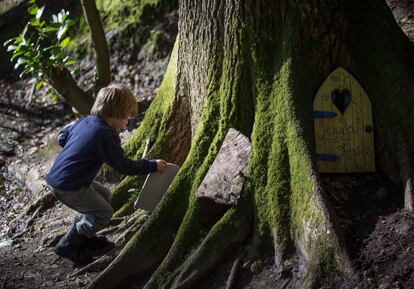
256	66
61	80
99	42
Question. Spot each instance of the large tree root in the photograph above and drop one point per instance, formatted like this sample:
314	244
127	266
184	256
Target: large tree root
233	228
201	216
98	264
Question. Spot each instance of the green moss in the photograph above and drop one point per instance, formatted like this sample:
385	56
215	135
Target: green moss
280	163
131	20
121	14
328	262
153	127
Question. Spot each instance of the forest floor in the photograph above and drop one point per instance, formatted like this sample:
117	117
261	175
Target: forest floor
378	232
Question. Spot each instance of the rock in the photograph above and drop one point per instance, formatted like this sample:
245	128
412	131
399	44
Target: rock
256	267
403	229
32	150
6	149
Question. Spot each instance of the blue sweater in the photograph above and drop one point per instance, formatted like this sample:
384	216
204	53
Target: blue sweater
87	144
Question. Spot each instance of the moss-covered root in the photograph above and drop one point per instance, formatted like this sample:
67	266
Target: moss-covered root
232	229
152	127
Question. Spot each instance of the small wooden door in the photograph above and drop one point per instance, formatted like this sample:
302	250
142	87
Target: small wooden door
344	137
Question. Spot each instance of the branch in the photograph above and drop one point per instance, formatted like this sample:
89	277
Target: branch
63	82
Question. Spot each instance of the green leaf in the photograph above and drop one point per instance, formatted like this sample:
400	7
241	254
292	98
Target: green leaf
33	9
40	12
24	31
62	30
54	98
8	42
49	29
39	84
65	42
11	47
24	48
35	22
61	16
18	40
15	55
27	70
19	62
49	47
71	62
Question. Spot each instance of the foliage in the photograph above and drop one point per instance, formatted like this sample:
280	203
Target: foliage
41	45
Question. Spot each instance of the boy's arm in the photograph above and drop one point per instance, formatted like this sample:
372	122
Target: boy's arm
64	133
111	152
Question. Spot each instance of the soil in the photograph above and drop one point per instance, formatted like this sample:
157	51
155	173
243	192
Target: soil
379	234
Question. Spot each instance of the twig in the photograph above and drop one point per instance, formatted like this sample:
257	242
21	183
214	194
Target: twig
402	247
30	98
234	268
18	235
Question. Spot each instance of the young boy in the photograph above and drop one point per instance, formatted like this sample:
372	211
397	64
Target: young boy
86	145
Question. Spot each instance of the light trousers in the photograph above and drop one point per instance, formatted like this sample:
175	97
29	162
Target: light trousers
92	203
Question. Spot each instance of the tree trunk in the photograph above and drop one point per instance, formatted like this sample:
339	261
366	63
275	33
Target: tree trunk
256	66
99	41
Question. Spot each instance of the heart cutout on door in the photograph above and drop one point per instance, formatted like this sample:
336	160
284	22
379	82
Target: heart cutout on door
341	99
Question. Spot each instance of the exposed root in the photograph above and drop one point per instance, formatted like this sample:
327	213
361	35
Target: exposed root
128	233
43	203
215	246
97	265
35	210
197	222
233	272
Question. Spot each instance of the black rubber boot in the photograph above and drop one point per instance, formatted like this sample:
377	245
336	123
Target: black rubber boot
73	247
99	245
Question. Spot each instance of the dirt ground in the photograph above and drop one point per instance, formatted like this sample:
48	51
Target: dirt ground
379	234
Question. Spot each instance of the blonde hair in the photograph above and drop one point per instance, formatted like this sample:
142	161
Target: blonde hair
115	100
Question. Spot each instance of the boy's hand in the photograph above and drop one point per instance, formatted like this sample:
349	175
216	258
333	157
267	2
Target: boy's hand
161	165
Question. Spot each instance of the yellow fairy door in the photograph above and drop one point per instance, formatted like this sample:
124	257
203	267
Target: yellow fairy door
344	137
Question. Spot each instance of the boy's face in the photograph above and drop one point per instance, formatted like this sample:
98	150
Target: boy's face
119	123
